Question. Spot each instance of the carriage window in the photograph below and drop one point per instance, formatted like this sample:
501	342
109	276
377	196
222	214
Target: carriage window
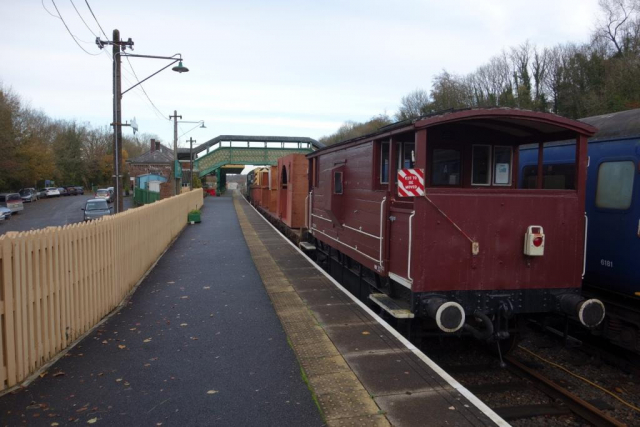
337	183
406	158
502	165
554	177
615	185
384	163
445	167
481	165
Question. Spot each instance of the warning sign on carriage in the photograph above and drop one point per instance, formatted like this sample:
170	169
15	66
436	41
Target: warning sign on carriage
410	182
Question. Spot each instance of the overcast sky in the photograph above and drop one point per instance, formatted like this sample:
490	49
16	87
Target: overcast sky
292	68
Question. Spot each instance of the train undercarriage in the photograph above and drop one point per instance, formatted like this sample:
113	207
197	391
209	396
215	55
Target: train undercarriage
490	316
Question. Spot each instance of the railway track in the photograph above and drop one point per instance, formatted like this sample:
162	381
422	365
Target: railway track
518	391
566	399
626	360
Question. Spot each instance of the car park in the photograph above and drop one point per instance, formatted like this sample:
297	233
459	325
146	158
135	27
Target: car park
5	214
52	192
11	201
28	195
104	193
96	208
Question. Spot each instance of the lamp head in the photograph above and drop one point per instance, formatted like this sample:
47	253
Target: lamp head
180	68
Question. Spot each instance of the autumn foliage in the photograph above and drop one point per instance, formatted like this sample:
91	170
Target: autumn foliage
34	148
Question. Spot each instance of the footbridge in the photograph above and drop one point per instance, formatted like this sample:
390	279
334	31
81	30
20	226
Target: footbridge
230	153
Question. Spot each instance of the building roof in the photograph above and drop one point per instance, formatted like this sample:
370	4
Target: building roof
163	155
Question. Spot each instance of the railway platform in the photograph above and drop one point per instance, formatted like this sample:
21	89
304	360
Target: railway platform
235	326
198	344
361	370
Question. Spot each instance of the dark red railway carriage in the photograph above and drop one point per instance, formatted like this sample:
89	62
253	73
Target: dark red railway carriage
425	219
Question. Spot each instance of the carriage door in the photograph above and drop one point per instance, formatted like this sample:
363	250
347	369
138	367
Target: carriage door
401	213
284	193
614	219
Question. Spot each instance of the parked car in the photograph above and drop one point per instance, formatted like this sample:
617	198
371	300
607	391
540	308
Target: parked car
28	195
104	193
34	191
52	192
5	214
11	201
72	191
80	190
42	193
63	191
96	208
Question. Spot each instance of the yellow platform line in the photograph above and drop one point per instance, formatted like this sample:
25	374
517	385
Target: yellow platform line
341	397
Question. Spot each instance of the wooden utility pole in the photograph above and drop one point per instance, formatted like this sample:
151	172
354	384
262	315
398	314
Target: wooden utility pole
191	141
176	187
117	123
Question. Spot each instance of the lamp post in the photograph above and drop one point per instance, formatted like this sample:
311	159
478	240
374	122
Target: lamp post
117	98
191	141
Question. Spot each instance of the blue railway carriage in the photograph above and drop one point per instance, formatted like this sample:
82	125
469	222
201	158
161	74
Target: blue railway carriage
612	256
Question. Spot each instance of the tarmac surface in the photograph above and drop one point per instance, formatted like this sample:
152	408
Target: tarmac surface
199	343
56	211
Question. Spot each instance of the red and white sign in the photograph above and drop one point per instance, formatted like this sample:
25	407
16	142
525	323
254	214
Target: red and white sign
410	182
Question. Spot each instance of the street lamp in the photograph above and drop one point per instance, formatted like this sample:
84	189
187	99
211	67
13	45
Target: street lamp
117	97
191	141
180	69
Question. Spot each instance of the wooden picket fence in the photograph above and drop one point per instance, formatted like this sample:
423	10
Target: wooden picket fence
57	283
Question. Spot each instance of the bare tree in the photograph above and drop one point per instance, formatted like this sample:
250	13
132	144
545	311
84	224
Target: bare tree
620	23
413	104
490	81
539	66
520	57
451	91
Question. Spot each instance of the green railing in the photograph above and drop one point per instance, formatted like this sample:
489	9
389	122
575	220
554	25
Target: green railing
144	197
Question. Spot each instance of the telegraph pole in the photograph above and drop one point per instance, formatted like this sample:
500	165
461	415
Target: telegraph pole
117	112
176	187
117	120
191	141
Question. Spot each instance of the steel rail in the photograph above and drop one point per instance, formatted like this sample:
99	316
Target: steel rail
576	404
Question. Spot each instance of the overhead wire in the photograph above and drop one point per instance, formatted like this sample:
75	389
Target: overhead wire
82	19
45	8
75	39
155	108
96	19
144	91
